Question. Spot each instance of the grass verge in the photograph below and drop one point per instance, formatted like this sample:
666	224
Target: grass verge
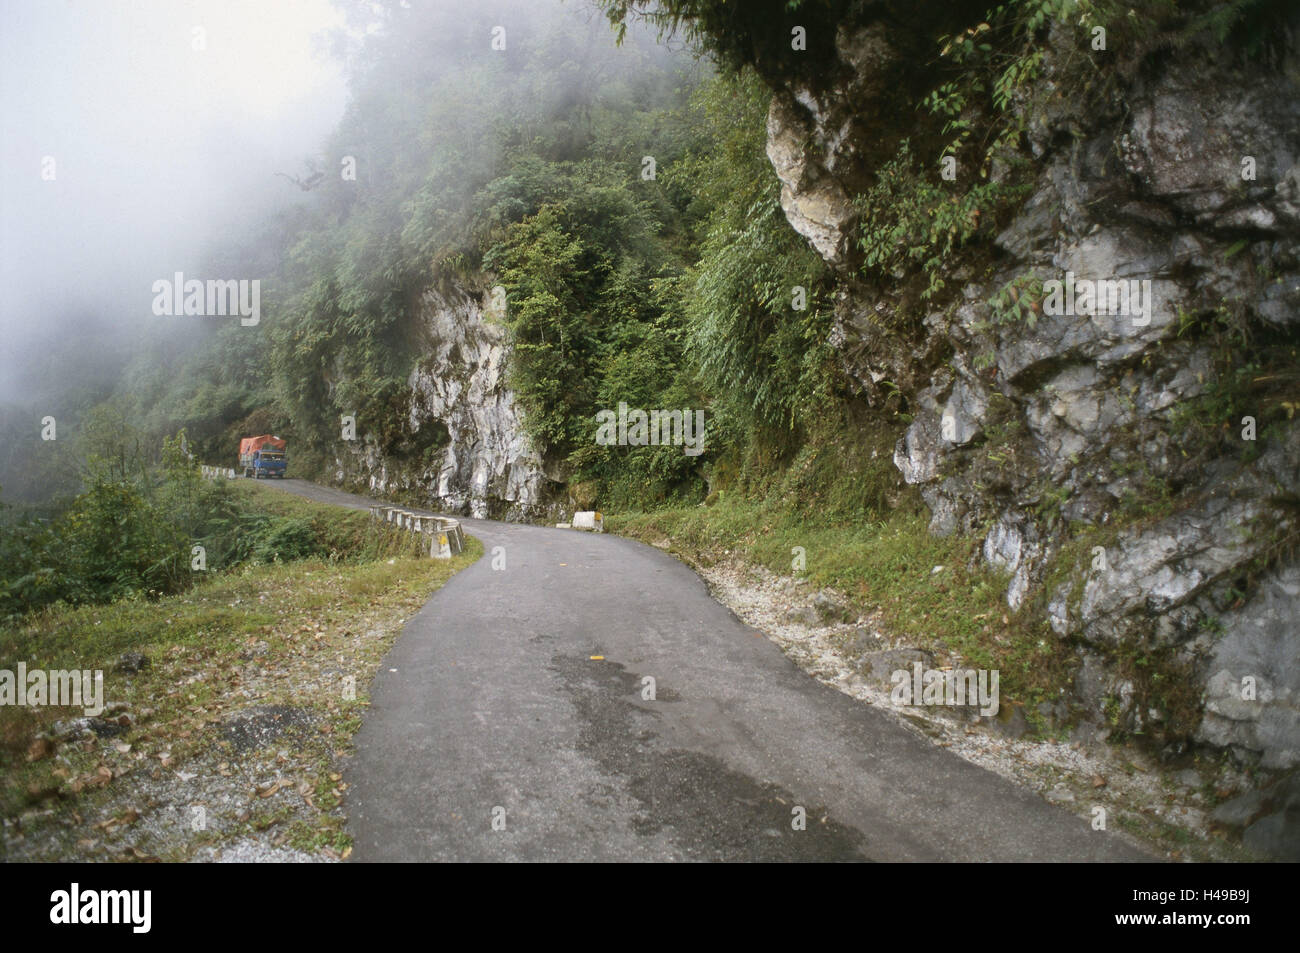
229	706
840	511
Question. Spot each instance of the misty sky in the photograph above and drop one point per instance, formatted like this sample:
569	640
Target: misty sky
158	146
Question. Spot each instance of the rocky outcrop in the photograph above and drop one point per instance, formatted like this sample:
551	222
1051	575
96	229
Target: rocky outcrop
475	458
1104	457
1253	689
817	183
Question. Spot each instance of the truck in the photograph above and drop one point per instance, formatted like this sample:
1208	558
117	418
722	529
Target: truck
263	456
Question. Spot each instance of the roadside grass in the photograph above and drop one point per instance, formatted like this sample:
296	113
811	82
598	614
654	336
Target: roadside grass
349	535
865	536
881	561
278	634
58	636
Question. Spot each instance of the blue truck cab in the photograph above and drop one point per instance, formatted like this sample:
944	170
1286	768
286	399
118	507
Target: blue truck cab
268	463
263	457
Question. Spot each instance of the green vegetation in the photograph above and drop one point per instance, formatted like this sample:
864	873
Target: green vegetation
685	288
1266	386
864	534
910	220
134	531
675	289
341	540
296	620
668	290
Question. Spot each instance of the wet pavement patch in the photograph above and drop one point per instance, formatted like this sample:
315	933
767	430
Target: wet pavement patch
710	811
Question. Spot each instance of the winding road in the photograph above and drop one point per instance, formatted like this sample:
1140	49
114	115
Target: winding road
509	723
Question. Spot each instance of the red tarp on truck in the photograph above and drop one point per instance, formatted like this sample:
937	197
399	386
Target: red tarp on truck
264	442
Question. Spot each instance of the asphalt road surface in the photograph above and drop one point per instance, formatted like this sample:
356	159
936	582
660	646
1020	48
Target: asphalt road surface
495	735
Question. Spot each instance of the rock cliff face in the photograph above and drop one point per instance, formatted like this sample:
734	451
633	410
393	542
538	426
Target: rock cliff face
475	459
1104	458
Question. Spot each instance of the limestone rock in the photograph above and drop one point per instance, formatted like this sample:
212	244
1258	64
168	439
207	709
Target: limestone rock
1032	429
477	460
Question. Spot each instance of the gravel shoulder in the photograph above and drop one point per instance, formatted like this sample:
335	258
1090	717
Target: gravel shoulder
1168	810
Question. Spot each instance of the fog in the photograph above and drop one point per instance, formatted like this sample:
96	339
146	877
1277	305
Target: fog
136	134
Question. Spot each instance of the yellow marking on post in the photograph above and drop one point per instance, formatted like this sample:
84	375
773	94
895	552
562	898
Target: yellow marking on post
598	658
